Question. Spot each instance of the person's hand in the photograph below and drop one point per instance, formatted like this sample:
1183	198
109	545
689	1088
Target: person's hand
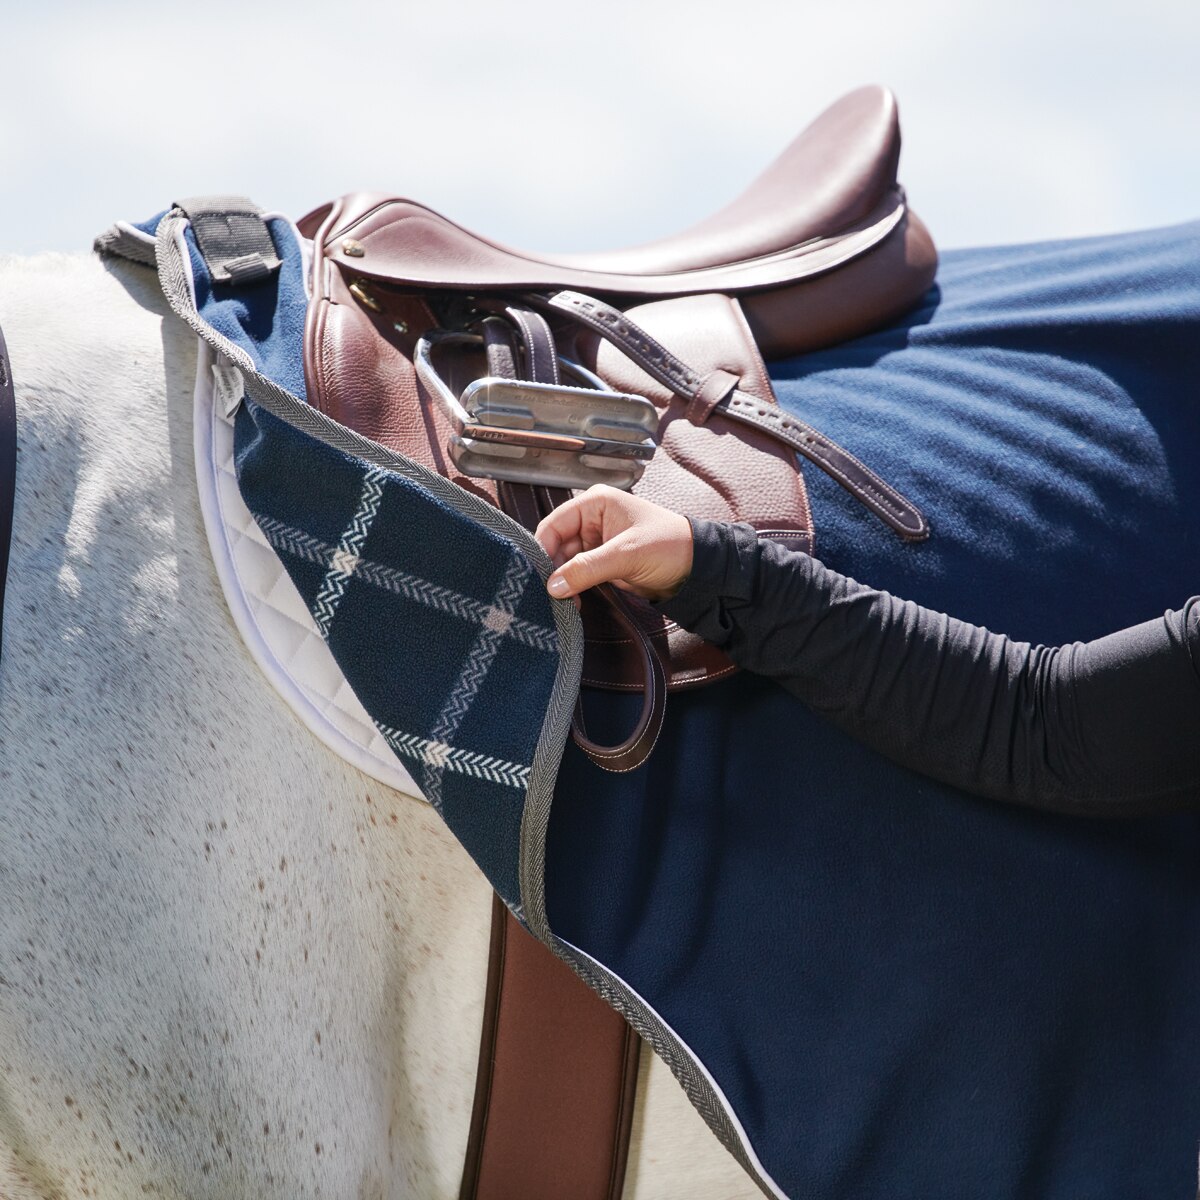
606	535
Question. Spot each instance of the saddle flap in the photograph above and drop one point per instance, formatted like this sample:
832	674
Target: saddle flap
703	468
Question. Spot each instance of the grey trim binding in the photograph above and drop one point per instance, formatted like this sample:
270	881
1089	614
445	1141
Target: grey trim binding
124	241
176	285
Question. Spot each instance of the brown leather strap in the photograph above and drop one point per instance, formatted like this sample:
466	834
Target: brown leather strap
611	323
557	1076
529	504
498	346
703	396
858	479
541	354
650	679
629	754
8	467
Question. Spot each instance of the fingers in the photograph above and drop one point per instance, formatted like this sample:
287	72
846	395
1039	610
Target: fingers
566	551
581	520
605	535
588	568
554	531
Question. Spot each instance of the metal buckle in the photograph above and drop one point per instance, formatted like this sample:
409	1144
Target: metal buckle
542	433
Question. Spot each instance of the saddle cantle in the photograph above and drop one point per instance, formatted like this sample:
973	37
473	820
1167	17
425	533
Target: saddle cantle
821	247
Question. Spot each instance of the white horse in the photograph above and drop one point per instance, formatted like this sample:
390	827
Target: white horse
230	964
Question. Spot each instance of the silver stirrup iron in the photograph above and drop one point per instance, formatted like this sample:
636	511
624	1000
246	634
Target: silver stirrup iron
542	433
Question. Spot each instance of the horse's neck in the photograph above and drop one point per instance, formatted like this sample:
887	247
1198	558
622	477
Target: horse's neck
193	886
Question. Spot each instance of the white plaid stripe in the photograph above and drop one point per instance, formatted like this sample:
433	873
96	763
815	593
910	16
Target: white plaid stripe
475	669
344	561
288	540
429	752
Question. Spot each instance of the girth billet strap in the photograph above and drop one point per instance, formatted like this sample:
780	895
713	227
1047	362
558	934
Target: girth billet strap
8	468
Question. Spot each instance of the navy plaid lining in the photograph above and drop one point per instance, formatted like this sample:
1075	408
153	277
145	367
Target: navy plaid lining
441	627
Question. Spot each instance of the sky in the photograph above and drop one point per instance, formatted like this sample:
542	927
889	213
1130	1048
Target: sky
569	127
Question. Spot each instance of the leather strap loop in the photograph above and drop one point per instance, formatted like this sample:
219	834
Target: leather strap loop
716	386
635	749
527	504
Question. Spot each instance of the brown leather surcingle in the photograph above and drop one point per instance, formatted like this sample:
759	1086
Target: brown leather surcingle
819	248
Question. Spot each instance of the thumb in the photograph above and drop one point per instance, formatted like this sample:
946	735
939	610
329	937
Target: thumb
590	567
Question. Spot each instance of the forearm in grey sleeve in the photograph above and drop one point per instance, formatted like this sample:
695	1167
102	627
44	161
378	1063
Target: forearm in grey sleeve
1104	727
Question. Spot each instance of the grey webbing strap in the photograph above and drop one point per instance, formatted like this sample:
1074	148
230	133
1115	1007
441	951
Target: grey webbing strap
232	237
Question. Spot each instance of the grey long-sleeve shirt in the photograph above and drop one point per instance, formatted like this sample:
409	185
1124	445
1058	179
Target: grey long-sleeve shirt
1109	727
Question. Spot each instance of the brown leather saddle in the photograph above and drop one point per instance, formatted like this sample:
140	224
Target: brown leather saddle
506	371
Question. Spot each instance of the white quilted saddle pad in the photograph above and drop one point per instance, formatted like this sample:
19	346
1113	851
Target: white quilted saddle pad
274	621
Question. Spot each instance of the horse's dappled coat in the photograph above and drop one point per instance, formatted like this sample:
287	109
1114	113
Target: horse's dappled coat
899	990
189	880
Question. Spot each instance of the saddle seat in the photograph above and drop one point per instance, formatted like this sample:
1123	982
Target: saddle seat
838	175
